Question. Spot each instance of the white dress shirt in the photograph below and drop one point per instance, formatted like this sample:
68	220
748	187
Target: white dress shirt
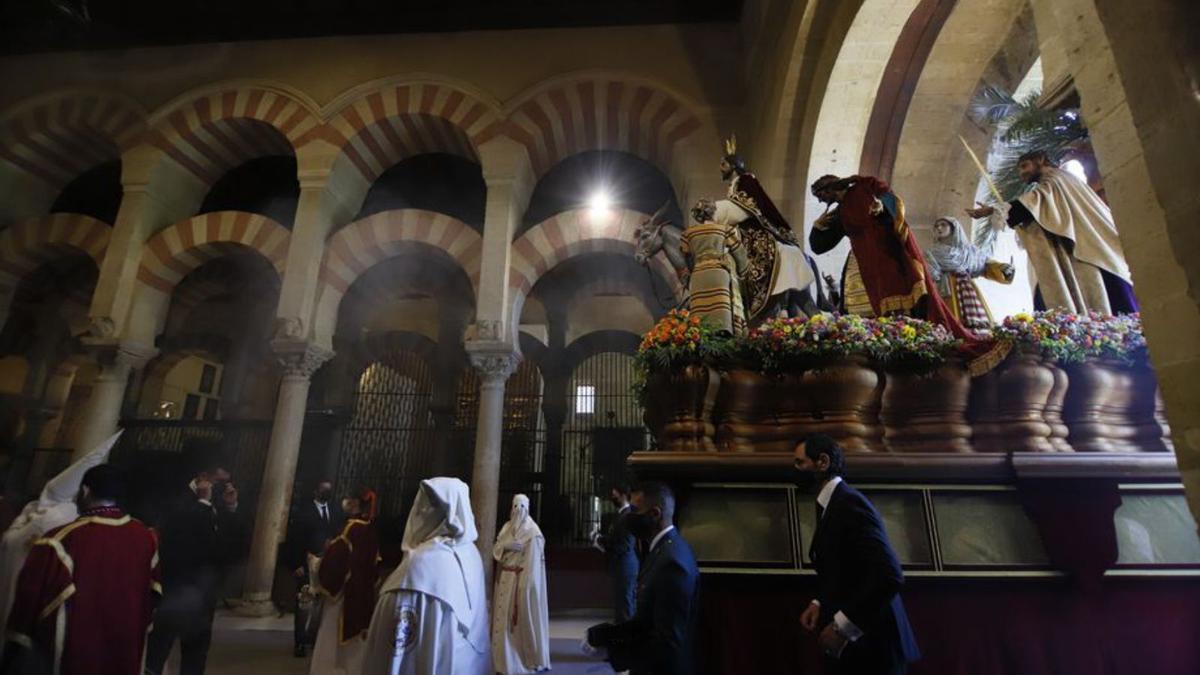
844	625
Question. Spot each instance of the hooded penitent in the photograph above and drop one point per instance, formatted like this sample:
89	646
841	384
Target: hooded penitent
55	507
432	611
520	615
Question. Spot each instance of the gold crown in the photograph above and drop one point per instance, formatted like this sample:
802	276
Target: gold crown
731	145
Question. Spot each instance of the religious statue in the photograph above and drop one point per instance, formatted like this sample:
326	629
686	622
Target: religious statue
778	277
778	266
1071	239
891	275
714	245
520	618
954	263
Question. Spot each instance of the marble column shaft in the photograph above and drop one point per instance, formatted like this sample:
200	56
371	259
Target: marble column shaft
300	361
495	364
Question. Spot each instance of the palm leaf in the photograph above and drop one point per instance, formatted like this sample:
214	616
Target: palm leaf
1024	127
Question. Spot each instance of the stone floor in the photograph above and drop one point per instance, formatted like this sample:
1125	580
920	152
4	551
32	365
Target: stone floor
260	646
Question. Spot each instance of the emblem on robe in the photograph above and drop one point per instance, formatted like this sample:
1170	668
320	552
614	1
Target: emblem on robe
406	629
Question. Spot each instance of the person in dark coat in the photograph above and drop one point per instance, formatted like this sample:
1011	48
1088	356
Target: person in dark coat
658	640
197	541
858	615
313	524
620	554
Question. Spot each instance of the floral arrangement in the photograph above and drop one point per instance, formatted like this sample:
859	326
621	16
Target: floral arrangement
791	343
1114	337
678	339
1072	338
905	343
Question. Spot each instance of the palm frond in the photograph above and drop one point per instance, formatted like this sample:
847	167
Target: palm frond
992	105
1024	127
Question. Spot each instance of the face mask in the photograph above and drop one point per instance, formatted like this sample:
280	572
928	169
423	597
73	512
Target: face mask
806	481
642	525
324	495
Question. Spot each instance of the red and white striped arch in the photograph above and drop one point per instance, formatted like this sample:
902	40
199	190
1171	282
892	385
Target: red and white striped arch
386	125
27	245
215	132
173	252
356	248
59	137
570	234
598	113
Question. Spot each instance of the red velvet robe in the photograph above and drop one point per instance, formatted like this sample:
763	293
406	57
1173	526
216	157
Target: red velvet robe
894	271
85	597
350	569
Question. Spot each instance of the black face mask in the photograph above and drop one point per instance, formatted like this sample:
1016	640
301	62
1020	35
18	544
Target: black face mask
806	481
324	495
642	525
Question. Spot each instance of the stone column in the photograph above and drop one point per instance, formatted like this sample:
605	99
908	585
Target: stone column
103	409
300	360
495	360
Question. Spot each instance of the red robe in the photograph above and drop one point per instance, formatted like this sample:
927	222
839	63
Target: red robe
86	595
350	569
894	271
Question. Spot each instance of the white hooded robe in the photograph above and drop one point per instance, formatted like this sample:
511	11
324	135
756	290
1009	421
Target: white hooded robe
520	615
431	616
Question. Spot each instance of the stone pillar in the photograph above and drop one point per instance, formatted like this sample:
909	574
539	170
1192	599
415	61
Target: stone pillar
495	360
1129	63
300	360
103	409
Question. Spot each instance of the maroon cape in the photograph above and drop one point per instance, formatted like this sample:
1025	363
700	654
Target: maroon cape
350	569
86	595
894	270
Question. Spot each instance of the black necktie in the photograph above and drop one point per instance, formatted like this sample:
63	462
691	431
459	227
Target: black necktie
325	513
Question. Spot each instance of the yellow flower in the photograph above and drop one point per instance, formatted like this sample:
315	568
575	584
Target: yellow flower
908	332
1023	316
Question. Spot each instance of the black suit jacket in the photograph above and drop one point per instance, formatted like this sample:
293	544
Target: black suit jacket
658	640
859	574
309	532
620	547
195	543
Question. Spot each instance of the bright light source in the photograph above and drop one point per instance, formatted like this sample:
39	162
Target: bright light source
599	205
585	399
1075	168
599	201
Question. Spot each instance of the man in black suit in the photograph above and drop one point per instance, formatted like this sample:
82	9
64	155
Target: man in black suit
313	523
658	640
863	627
620	554
198	539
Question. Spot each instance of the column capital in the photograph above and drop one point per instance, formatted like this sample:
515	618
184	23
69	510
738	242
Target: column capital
300	358
494	359
114	353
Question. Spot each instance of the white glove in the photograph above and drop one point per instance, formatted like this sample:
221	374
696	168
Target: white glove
515	546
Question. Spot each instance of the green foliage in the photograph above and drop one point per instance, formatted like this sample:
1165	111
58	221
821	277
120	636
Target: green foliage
1025	127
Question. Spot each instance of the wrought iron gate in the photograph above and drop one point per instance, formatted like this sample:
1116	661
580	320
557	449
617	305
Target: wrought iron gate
388	444
603	426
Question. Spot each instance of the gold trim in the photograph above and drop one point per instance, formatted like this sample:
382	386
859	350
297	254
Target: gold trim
57	602
63	557
902	303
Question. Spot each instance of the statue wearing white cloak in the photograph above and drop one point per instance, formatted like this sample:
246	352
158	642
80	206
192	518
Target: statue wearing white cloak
520	616
54	508
431	616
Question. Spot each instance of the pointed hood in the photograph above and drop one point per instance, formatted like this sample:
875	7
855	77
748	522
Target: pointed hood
63	487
